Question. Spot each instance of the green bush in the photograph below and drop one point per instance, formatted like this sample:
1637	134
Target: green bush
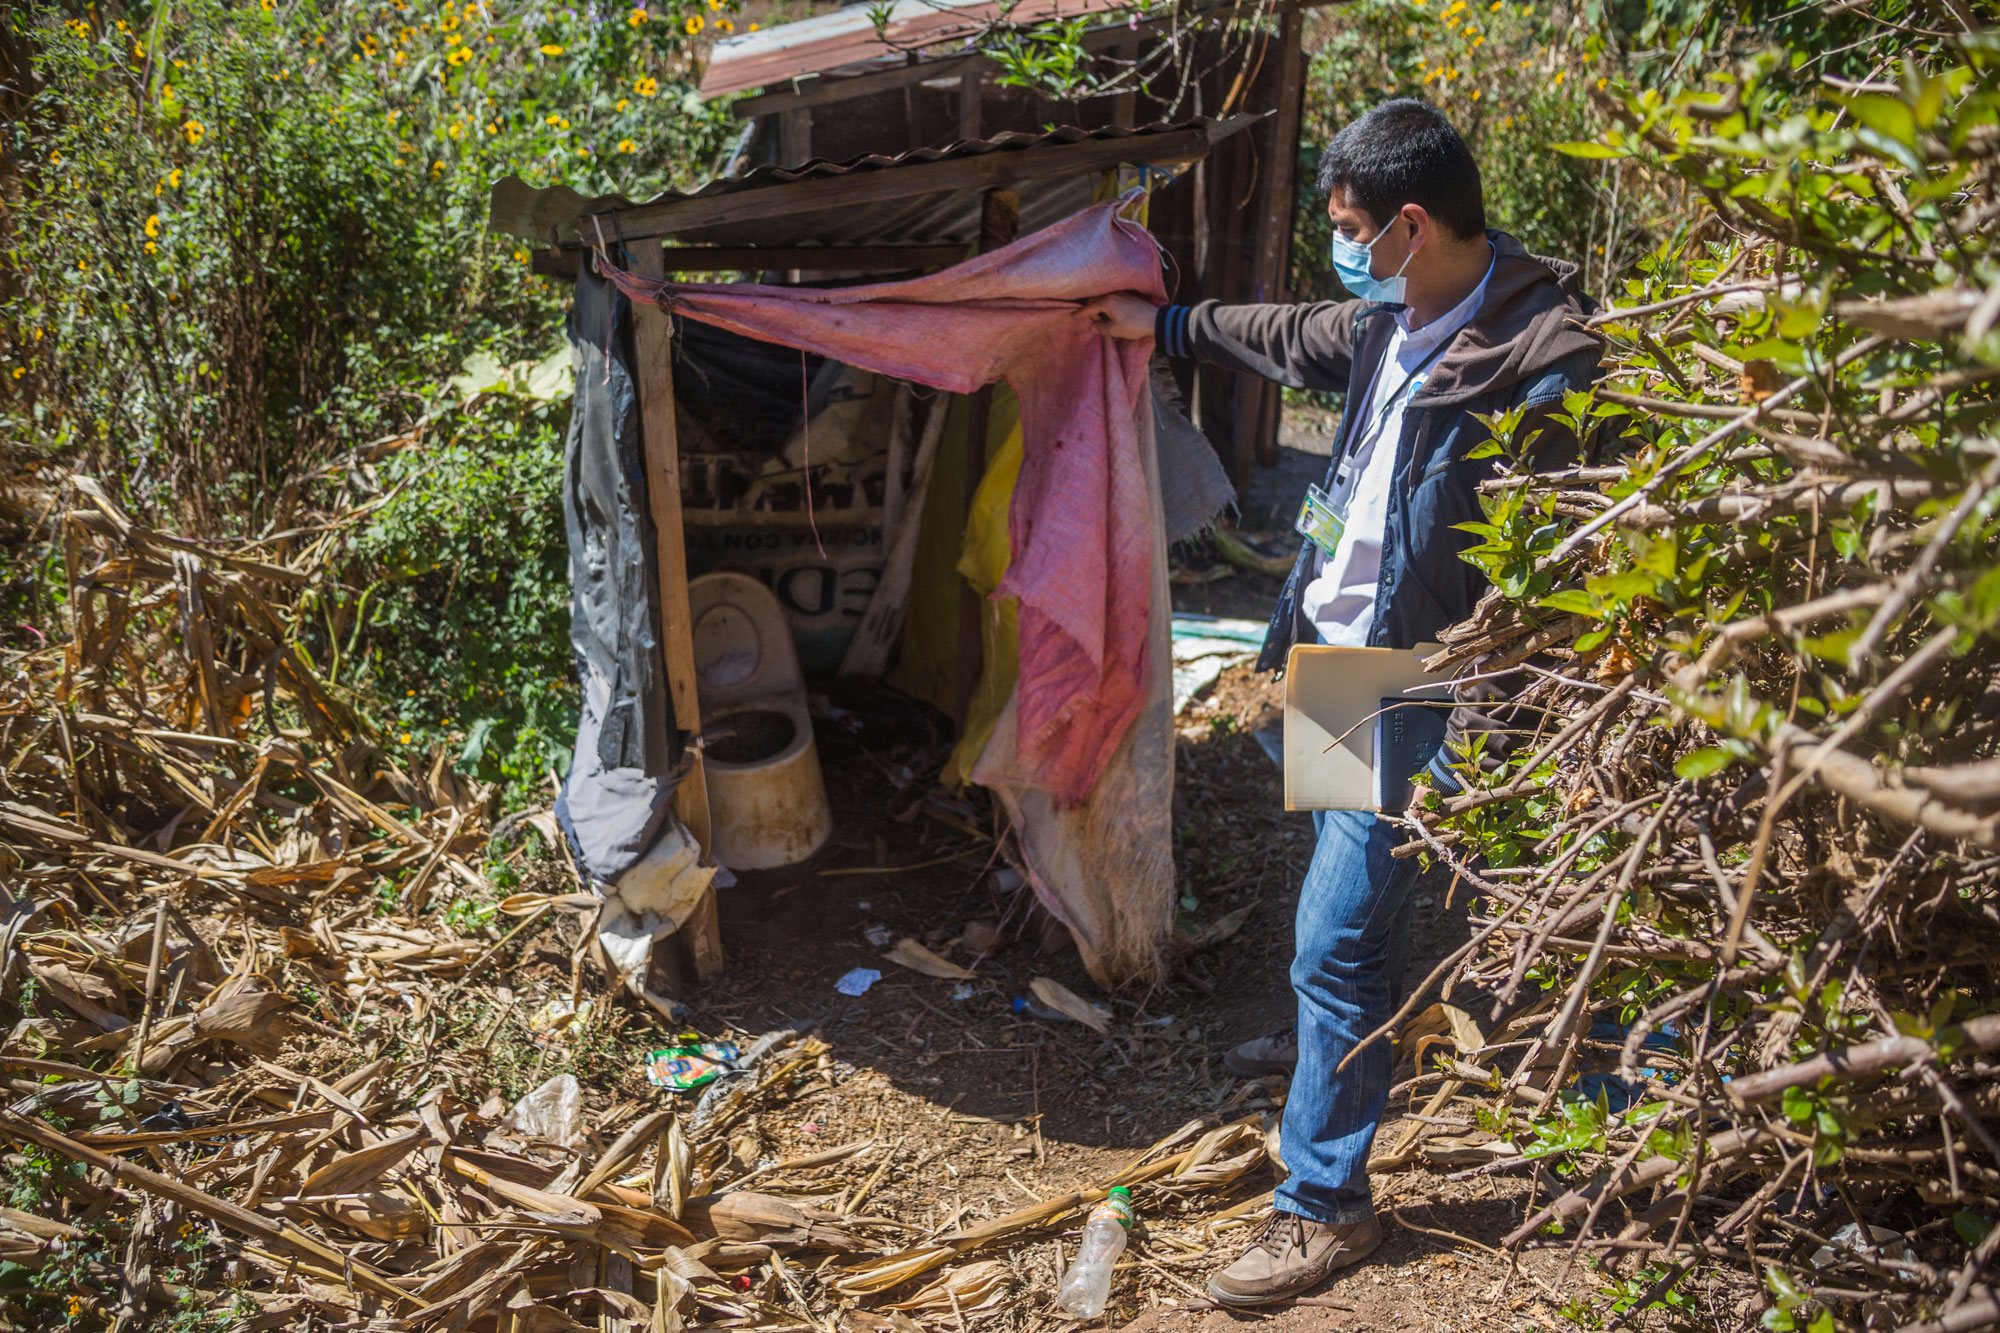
247	239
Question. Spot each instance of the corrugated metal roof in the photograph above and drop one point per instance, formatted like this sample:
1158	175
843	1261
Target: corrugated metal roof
849	37
947	217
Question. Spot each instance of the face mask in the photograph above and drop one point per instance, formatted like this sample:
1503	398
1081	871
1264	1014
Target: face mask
1354	261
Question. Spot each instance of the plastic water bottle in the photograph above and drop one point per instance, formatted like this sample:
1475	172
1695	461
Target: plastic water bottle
1087	1285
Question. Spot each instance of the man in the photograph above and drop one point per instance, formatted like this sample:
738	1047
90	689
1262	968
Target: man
1453	321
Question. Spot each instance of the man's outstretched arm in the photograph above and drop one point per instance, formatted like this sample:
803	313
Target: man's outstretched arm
1300	346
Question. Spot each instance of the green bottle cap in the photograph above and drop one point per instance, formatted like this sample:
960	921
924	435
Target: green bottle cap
1120	1191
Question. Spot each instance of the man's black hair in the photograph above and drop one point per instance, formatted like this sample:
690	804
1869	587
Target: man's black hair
1405	152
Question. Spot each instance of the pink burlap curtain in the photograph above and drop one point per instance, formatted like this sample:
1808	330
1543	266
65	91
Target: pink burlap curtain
1080	524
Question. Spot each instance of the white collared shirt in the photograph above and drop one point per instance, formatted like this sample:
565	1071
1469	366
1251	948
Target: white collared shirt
1339	599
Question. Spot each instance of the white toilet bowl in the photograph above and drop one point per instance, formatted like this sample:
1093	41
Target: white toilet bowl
766	799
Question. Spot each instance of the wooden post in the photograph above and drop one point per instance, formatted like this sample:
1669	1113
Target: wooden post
1261	405
795	136
999	223
701	937
970	85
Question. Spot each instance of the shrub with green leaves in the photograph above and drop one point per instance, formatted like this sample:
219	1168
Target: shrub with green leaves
247	249
1756	816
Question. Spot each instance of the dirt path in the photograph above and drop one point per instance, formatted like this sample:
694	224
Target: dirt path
988	1112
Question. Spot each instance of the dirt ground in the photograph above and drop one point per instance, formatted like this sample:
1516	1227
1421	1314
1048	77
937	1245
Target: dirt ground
991	1112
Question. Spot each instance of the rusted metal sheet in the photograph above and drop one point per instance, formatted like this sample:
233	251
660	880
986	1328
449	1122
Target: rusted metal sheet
849	37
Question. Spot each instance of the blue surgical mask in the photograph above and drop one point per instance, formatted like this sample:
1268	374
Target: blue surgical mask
1353	261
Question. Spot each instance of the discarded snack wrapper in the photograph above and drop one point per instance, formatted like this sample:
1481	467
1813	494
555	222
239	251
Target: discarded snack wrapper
552	1022
690	1063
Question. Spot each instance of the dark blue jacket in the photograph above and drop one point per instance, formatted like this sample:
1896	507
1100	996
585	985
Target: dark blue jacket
1526	345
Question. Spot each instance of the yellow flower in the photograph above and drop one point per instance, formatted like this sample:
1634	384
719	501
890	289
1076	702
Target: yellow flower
725	25
397	57
453	39
520	257
75	1306
637	18
755	26
492	129
406	738
152	248
454	130
645	85
460	56
715	4
550	49
623	102
266	5
55	157
448	22
1479	41
194	130
1475	94
437	167
1560	75
18	372
693	24
583	152
627	146
554	120
153	225
1601	83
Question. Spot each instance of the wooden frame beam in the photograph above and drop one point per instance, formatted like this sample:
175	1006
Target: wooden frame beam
766	258
700	938
995	170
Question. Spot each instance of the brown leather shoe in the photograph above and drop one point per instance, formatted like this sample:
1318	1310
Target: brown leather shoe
1275	1054
1289	1256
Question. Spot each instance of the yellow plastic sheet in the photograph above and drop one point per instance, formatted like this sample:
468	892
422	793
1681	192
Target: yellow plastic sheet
983	562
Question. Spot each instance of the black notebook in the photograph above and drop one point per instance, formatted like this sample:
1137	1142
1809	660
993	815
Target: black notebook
1407	737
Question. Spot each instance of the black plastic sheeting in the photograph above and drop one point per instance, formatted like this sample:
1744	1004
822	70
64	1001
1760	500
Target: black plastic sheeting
628	754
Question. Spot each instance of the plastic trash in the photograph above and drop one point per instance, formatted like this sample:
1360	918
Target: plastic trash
690	1063
1025	1006
1848	1242
858	981
552	1022
1087	1285
553	1111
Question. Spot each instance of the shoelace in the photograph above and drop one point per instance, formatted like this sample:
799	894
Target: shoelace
1278	1232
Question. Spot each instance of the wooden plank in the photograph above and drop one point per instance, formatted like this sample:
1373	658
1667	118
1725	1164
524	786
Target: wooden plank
971	91
882	624
660	440
824	91
795	136
763	258
1259	425
999	224
994	170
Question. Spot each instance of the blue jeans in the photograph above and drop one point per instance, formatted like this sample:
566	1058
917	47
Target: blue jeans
1351	944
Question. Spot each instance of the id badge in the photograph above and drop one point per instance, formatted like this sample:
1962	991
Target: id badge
1322	520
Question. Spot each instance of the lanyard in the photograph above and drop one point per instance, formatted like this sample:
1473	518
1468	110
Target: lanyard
1378	413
